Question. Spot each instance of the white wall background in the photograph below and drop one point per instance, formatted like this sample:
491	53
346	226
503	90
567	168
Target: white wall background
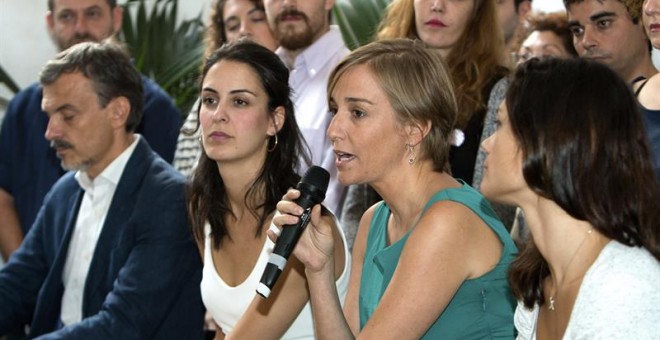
24	42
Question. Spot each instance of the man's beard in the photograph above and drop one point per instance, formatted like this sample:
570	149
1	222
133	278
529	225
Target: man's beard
288	37
68	166
64	44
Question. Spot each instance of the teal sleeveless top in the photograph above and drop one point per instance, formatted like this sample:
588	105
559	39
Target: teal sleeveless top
482	308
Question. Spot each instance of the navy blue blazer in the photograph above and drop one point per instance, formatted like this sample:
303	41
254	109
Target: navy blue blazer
143	280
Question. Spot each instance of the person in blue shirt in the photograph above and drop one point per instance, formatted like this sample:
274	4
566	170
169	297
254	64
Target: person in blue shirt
28	166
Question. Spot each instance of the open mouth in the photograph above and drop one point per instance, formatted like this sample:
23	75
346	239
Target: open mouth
343	157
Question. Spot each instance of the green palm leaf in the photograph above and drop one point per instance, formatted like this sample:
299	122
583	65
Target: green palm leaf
163	49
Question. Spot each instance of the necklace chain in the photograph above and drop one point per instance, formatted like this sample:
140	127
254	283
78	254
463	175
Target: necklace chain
551	299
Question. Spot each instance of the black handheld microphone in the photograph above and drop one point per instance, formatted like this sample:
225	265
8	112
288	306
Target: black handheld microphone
312	187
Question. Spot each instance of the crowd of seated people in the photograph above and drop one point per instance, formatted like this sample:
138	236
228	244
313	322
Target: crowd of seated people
493	174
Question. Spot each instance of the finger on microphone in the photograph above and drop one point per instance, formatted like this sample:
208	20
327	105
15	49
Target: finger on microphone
289	208
274	229
311	192
316	214
291	194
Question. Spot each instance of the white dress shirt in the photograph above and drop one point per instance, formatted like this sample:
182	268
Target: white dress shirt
309	81
89	223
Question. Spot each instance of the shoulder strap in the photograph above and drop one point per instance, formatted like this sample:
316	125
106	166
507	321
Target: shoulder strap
635	81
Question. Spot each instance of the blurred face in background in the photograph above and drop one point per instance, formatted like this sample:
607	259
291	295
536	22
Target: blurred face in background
440	23
542	44
243	19
651	17
298	23
75	21
507	17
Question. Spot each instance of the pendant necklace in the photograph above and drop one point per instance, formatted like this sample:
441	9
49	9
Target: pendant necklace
551	299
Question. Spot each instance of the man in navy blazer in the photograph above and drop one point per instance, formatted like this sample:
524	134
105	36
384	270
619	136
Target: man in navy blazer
110	255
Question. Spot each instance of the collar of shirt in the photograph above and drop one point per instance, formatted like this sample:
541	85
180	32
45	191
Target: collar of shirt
314	57
112	173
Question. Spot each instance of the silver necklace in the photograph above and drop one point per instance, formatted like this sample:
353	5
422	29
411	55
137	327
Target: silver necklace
551	299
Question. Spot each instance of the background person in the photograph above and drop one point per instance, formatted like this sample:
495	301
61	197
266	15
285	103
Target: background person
511	15
230	21
311	47
648	92
546	35
28	166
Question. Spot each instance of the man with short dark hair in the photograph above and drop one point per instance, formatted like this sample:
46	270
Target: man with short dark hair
110	255
311	47
611	32
28	167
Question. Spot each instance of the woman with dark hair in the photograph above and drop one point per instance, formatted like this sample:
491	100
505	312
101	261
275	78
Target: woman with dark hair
545	35
234	19
578	164
230	20
430	260
251	148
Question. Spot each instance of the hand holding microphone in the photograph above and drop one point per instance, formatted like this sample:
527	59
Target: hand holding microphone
312	188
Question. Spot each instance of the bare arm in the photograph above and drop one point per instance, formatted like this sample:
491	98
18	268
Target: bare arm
11	234
323	259
448	246
272	317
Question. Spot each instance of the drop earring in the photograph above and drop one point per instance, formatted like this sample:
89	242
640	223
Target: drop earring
412	156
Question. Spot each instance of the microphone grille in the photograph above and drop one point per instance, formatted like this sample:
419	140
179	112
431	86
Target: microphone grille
317	177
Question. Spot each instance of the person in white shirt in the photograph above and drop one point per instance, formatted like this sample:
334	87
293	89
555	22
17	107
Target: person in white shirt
230	20
311	48
578	164
110	255
252	146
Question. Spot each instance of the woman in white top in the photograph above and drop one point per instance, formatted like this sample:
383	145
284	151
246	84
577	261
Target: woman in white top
251	148
571	151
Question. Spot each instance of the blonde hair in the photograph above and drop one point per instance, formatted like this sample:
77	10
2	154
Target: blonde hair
417	84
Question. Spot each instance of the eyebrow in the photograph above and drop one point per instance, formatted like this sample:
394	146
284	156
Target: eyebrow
357	100
208	89
592	18
235	17
84	9
255	9
59	109
602	15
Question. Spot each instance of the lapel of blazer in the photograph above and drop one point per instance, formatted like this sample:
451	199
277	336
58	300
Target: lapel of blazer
121	209
71	217
47	313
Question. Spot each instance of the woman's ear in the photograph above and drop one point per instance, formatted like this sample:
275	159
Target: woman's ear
278	118
417	132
